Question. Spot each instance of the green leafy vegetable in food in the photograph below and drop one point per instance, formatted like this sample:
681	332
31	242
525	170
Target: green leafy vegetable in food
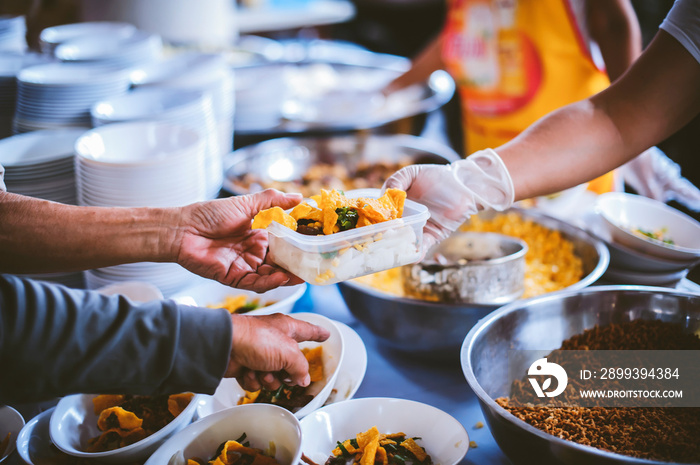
347	218
657	235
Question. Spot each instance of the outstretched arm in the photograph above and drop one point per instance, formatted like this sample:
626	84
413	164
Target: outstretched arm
212	239
657	96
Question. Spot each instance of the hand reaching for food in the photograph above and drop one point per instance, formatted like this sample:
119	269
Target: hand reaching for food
214	240
265	348
456	191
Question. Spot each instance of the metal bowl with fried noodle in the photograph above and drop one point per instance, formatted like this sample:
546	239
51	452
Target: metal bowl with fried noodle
543	323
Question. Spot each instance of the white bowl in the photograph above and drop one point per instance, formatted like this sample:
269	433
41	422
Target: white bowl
52	36
627	258
262	423
139	143
34	442
73	423
623	212
443	437
213	293
146	104
229	392
10	422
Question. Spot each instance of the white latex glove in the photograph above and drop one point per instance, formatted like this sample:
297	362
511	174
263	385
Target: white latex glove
456	191
654	175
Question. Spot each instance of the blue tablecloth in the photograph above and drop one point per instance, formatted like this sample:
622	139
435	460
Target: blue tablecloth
394	374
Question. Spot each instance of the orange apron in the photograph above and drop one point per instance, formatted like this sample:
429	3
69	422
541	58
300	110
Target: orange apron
514	61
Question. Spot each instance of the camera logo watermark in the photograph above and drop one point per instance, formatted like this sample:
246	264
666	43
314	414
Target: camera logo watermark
542	367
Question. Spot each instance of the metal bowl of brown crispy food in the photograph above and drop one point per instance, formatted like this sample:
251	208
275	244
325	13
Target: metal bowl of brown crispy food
610	318
345	162
560	256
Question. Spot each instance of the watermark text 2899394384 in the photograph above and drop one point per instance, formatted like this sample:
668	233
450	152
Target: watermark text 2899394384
607	378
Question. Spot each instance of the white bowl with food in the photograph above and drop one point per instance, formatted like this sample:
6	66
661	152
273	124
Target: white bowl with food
208	293
269	428
11	423
230	394
74	424
650	226
441	436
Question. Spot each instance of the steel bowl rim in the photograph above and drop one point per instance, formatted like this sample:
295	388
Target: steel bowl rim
440	83
484	323
490	261
249	151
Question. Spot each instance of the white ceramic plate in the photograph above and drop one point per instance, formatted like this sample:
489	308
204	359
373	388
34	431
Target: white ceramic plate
38	147
352	370
52	36
443	437
667	279
229	392
83	77
137	291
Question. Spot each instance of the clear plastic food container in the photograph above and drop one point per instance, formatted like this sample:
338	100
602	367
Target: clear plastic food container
356	252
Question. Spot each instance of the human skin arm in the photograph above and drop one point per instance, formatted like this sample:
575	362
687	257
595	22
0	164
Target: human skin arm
212	239
657	96
422	66
613	25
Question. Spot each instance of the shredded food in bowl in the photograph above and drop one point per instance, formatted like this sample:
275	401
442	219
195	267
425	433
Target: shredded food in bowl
550	262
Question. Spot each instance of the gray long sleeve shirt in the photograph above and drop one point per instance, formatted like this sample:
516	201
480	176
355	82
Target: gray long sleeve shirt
56	341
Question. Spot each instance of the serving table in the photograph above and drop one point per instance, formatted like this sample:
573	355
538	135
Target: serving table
392	373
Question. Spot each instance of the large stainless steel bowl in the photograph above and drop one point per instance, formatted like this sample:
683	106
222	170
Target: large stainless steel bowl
544	323
289	158
436	330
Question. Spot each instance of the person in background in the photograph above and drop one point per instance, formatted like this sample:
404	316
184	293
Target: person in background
56	341
654	98
514	61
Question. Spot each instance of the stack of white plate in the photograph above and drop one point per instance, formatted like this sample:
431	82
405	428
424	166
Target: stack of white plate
41	164
57	95
12	33
113	50
11	63
189	108
52	37
198	71
140	164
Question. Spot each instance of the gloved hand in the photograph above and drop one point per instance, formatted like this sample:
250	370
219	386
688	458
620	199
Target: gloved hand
454	192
